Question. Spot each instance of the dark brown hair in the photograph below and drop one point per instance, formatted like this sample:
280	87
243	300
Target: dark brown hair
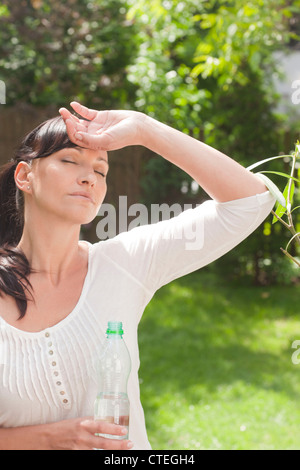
48	138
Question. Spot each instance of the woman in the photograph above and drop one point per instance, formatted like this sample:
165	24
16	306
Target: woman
57	293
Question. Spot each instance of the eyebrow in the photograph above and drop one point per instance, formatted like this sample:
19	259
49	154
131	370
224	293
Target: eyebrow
99	159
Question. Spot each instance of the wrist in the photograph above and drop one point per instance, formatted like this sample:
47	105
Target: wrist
148	131
141	128
35	437
46	436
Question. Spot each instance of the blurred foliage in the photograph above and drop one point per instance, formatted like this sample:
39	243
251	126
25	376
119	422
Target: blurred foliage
206	68
185	43
54	51
202	66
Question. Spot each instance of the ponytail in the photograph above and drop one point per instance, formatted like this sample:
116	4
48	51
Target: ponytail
14	269
11	214
14	266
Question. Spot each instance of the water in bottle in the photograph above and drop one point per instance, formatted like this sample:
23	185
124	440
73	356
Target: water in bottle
112	404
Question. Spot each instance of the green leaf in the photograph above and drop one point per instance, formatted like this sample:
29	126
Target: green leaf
280	211
294	208
255	165
198	69
274	190
295	236
282	174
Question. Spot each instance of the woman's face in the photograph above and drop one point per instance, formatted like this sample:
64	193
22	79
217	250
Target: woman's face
70	183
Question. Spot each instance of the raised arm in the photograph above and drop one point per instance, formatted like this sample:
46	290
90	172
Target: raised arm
221	177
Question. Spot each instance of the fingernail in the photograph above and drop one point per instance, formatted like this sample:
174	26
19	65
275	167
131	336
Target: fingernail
130	445
124	431
78	136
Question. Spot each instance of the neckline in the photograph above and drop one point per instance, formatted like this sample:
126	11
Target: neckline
70	316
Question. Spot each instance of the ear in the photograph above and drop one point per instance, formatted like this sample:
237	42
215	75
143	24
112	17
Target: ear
22	177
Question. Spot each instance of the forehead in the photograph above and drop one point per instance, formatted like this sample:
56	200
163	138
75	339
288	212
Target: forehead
98	155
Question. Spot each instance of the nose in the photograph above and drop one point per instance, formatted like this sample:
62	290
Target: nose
88	177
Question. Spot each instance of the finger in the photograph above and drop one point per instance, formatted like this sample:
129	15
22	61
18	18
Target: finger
72	127
112	444
103	427
92	141
65	114
94	427
80	126
84	111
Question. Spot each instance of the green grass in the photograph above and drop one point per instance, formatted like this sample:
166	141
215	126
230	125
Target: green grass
216	366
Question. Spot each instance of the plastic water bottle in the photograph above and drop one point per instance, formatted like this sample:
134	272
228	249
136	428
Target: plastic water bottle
112	404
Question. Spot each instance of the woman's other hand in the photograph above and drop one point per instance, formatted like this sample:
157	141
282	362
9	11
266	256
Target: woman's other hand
82	434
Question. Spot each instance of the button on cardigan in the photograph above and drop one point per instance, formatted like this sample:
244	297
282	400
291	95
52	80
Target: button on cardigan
50	375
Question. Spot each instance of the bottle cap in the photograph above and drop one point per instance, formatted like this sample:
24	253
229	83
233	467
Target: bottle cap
114	328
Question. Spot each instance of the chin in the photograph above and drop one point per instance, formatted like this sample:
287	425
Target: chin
80	217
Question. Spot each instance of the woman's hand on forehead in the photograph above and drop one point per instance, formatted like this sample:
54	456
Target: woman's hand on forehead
73	124
103	130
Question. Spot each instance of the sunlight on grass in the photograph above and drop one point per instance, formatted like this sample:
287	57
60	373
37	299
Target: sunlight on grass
216	369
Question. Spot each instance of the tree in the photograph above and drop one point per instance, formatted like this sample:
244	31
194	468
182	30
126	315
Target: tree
206	68
54	52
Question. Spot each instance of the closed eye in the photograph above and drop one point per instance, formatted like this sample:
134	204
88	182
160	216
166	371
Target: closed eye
74	163
68	161
100	173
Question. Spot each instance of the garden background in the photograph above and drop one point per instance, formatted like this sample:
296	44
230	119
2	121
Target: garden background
219	364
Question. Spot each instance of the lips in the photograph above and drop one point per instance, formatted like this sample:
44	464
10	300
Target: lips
84	195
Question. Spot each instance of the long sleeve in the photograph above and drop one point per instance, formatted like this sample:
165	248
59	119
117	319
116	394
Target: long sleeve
159	253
